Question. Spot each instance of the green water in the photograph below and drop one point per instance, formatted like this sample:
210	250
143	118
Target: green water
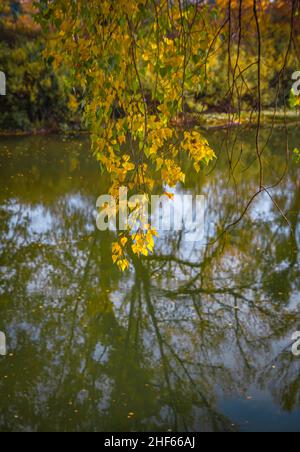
194	338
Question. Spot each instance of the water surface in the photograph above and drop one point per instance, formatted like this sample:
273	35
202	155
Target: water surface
194	338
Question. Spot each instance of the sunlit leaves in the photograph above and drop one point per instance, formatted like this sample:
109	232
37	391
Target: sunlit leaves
118	255
143	241
135	62
297	155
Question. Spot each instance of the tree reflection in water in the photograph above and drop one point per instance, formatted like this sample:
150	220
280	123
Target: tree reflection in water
159	347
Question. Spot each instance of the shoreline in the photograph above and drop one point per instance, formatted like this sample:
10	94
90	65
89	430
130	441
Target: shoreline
208	122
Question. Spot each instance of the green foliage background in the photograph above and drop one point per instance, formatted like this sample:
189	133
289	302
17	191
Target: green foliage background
37	96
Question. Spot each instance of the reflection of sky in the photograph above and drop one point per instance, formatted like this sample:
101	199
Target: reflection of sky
263	209
41	219
177	318
260	414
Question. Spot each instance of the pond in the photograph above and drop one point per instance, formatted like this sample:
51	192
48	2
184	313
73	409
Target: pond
195	337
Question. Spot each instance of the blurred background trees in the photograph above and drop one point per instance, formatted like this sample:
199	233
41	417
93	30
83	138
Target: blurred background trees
40	97
37	97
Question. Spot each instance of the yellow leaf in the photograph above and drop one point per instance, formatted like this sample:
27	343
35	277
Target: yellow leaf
124	240
122	139
159	163
197	167
73	104
128	166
